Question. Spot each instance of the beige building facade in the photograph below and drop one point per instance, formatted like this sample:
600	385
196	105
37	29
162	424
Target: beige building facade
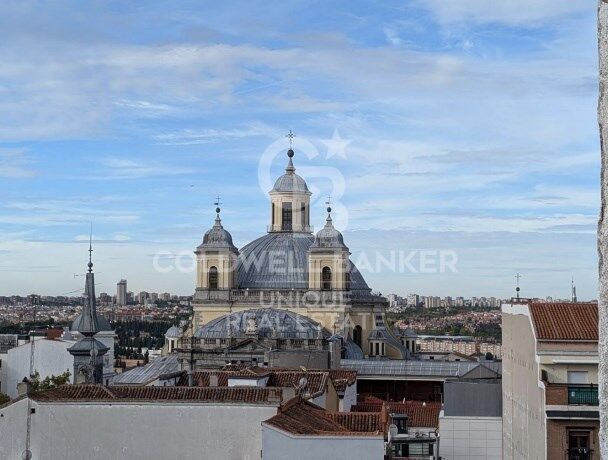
550	393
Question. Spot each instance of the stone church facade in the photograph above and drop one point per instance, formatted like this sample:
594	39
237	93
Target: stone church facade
290	289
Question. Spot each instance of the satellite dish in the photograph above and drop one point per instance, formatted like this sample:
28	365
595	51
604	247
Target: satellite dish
26	455
303	369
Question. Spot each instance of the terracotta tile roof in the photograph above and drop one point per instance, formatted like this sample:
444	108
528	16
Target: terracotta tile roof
419	413
342	378
89	393
302	418
358	421
565	321
278	378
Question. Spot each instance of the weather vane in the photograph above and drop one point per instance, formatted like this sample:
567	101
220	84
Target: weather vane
290	136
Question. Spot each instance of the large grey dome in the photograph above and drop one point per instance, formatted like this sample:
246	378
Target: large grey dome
280	261
263	322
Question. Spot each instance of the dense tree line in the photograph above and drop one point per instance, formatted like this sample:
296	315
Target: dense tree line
133	336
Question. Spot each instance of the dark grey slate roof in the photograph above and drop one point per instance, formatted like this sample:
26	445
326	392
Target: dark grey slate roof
280	261
217	237
405	368
329	237
352	350
102	322
290	182
174	332
269	322
86	344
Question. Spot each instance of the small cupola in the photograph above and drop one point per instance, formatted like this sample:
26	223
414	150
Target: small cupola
290	200
328	260
216	258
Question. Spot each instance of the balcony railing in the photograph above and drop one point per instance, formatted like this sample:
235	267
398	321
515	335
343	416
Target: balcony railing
563	394
583	395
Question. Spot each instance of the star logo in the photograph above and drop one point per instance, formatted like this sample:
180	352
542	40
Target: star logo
336	145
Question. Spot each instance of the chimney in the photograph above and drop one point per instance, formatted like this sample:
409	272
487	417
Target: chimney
384	416
23	388
214	380
190	378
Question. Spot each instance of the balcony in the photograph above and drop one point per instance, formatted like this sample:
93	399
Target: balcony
586	395
563	394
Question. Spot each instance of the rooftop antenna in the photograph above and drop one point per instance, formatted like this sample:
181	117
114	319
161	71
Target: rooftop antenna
573	291
91	249
517	289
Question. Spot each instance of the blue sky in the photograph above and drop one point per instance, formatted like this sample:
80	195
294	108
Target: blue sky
466	126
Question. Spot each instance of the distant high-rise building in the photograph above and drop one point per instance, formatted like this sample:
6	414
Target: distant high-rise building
121	292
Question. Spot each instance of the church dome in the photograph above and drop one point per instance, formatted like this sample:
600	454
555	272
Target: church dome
280	261
290	183
263	322
217	237
329	237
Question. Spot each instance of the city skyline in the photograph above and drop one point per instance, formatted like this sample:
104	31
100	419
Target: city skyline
502	178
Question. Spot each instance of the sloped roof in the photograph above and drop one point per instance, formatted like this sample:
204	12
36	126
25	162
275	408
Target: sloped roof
302	418
98	393
420	414
565	321
143	375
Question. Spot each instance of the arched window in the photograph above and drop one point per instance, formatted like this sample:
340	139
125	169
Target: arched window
348	281
213	278
357	334
326	279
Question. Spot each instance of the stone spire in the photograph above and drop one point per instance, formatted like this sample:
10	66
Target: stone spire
88	352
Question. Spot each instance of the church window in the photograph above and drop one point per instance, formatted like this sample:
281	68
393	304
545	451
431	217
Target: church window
377	349
357	334
304	214
272	214
286	218
326	279
213	278
347	281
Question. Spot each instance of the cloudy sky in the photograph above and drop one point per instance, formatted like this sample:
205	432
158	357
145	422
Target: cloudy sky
464	126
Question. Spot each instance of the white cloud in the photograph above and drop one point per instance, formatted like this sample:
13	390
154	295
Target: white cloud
14	164
509	12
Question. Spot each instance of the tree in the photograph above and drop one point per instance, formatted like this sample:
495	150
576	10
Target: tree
489	356
49	382
4	398
602	234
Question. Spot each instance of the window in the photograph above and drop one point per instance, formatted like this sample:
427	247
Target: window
286	218
578	445
213	278
347	285
272	214
577	377
326	279
304	214
377	349
357	334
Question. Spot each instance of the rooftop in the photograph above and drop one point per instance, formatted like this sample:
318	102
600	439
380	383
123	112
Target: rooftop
427	368
126	394
305	419
565	321
420	414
